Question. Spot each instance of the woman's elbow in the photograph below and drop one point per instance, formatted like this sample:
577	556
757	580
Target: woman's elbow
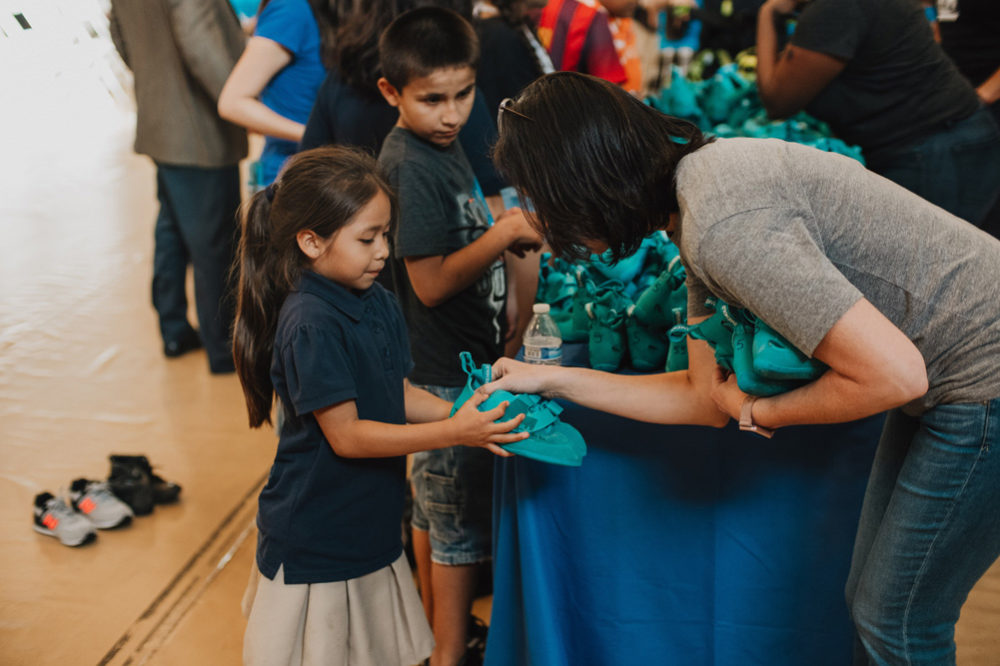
224	108
910	381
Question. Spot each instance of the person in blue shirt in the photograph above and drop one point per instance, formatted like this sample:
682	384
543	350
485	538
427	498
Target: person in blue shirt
331	583
273	85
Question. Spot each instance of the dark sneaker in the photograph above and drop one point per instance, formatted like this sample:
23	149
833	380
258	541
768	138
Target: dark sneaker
133	486
475	644
189	340
54	517
95	500
164	492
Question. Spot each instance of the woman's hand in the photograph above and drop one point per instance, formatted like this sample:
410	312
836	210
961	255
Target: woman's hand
517	377
726	393
476	428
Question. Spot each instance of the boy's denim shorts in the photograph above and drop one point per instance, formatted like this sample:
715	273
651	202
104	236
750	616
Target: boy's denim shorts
453	497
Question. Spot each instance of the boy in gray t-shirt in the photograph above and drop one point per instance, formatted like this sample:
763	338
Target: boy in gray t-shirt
449	277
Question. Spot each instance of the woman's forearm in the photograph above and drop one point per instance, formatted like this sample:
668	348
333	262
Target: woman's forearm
257	117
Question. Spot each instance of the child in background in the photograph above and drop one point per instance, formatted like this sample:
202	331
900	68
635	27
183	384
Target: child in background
331	583
452	287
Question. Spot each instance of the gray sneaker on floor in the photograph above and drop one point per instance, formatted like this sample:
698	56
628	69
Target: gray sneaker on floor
95	500
55	518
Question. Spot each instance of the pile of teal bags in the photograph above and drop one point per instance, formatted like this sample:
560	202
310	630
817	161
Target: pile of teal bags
727	105
623	310
763	361
634	313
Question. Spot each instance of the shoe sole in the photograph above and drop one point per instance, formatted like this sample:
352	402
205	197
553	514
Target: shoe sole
121	522
88	537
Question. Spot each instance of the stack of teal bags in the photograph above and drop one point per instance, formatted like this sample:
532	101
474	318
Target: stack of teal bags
763	362
727	105
622	310
634	313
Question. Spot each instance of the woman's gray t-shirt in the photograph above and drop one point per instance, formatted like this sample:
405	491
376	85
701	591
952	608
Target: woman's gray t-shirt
798	236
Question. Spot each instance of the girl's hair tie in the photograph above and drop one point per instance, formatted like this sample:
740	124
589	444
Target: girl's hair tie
269	192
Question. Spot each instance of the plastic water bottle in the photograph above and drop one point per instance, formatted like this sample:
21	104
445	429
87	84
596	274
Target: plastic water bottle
542	341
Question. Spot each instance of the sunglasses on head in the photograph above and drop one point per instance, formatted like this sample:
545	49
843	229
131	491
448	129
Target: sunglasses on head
508	105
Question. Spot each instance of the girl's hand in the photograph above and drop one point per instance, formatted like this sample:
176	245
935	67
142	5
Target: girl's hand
726	393
518	377
476	428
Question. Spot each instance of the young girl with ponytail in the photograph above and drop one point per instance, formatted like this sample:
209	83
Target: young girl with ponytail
331	583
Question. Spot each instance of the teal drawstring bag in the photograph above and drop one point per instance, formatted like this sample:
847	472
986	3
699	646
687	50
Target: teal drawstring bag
550	440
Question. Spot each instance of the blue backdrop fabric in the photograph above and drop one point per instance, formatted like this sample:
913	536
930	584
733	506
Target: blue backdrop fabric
679	545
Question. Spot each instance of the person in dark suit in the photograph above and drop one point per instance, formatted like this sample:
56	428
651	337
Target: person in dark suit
180	53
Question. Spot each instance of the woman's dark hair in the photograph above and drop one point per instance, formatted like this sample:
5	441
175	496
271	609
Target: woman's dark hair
595	162
424	40
318	190
356	50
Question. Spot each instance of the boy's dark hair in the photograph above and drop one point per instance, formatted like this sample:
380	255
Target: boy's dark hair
596	163
318	190
424	40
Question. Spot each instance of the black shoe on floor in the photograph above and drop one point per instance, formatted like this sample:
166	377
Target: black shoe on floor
188	341
135	489
164	492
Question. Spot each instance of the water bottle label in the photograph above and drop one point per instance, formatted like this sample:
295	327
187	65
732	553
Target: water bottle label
534	354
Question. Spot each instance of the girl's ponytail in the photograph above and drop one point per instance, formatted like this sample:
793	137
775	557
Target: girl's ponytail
259	295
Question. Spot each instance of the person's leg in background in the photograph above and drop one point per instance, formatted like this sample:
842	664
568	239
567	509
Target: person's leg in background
452	516
956	168
205	202
939	532
170	260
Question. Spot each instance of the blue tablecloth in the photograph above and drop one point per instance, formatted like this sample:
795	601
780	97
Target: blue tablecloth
679	545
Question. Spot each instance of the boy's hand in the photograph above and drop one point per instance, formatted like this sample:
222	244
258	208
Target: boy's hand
523	237
476	428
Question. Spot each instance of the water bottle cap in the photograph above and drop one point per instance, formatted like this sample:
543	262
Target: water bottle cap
540	308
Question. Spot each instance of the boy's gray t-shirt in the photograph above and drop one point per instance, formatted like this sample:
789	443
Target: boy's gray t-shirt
798	236
441	210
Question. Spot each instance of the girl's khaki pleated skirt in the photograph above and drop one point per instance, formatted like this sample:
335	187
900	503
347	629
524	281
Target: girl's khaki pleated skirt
374	620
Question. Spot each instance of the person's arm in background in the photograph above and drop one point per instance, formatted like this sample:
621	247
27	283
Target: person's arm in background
788	81
989	90
522	285
239	103
873	367
116	36
197	29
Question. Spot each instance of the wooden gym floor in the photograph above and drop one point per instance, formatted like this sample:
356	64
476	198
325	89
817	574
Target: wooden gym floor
82	375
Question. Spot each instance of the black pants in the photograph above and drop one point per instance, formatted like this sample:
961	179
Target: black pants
197	224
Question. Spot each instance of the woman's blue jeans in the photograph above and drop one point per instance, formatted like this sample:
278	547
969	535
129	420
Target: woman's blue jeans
956	167
929	529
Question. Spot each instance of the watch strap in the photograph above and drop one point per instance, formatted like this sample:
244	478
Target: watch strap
746	418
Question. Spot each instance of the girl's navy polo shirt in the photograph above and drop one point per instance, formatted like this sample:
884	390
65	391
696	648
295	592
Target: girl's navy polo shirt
327	518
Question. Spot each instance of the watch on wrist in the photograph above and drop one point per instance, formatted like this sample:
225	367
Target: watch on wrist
746	418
